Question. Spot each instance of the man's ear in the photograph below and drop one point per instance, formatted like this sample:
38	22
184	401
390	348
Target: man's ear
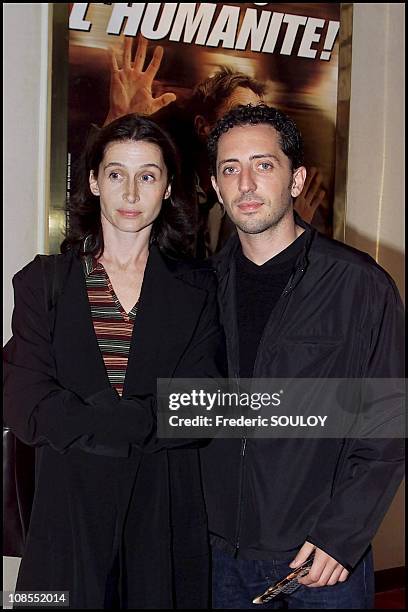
93	183
298	180
216	188
201	126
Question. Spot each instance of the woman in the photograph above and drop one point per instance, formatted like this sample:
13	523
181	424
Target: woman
118	517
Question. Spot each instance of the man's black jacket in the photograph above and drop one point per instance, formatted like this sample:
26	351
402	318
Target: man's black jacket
340	316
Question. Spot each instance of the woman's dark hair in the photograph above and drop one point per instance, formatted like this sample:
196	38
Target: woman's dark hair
174	229
290	139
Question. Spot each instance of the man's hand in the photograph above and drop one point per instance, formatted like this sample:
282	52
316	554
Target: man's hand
311	197
130	87
325	570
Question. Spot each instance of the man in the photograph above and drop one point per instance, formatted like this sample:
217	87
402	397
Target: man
212	98
295	304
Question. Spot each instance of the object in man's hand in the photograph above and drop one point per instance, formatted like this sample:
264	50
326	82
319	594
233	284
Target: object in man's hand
286	586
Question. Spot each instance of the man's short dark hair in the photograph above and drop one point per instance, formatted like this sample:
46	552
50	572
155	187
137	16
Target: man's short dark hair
290	139
209	95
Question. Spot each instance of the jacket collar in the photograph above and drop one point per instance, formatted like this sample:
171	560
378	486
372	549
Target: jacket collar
170	305
182	269
223	260
303	259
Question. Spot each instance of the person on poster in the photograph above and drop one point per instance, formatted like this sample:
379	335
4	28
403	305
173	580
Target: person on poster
118	517
131	91
295	304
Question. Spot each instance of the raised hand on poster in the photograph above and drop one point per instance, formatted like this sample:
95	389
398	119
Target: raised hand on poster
311	197
131	87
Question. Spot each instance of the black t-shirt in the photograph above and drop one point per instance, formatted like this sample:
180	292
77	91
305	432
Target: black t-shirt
258	289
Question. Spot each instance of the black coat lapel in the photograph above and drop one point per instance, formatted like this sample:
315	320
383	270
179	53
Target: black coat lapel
80	365
168	313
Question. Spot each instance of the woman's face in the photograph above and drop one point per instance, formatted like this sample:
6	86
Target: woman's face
131	184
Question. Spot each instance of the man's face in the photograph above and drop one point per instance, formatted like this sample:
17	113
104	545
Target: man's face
254	179
131	185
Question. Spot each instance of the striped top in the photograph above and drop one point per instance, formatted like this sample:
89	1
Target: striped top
113	326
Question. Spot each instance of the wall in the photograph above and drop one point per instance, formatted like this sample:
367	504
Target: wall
375	185
375	195
25	127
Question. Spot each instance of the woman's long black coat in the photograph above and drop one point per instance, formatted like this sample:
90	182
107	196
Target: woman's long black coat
105	512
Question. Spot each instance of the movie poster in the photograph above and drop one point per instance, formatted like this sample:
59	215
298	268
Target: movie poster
185	64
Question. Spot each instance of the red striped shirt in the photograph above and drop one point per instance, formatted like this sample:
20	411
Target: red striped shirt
113	326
